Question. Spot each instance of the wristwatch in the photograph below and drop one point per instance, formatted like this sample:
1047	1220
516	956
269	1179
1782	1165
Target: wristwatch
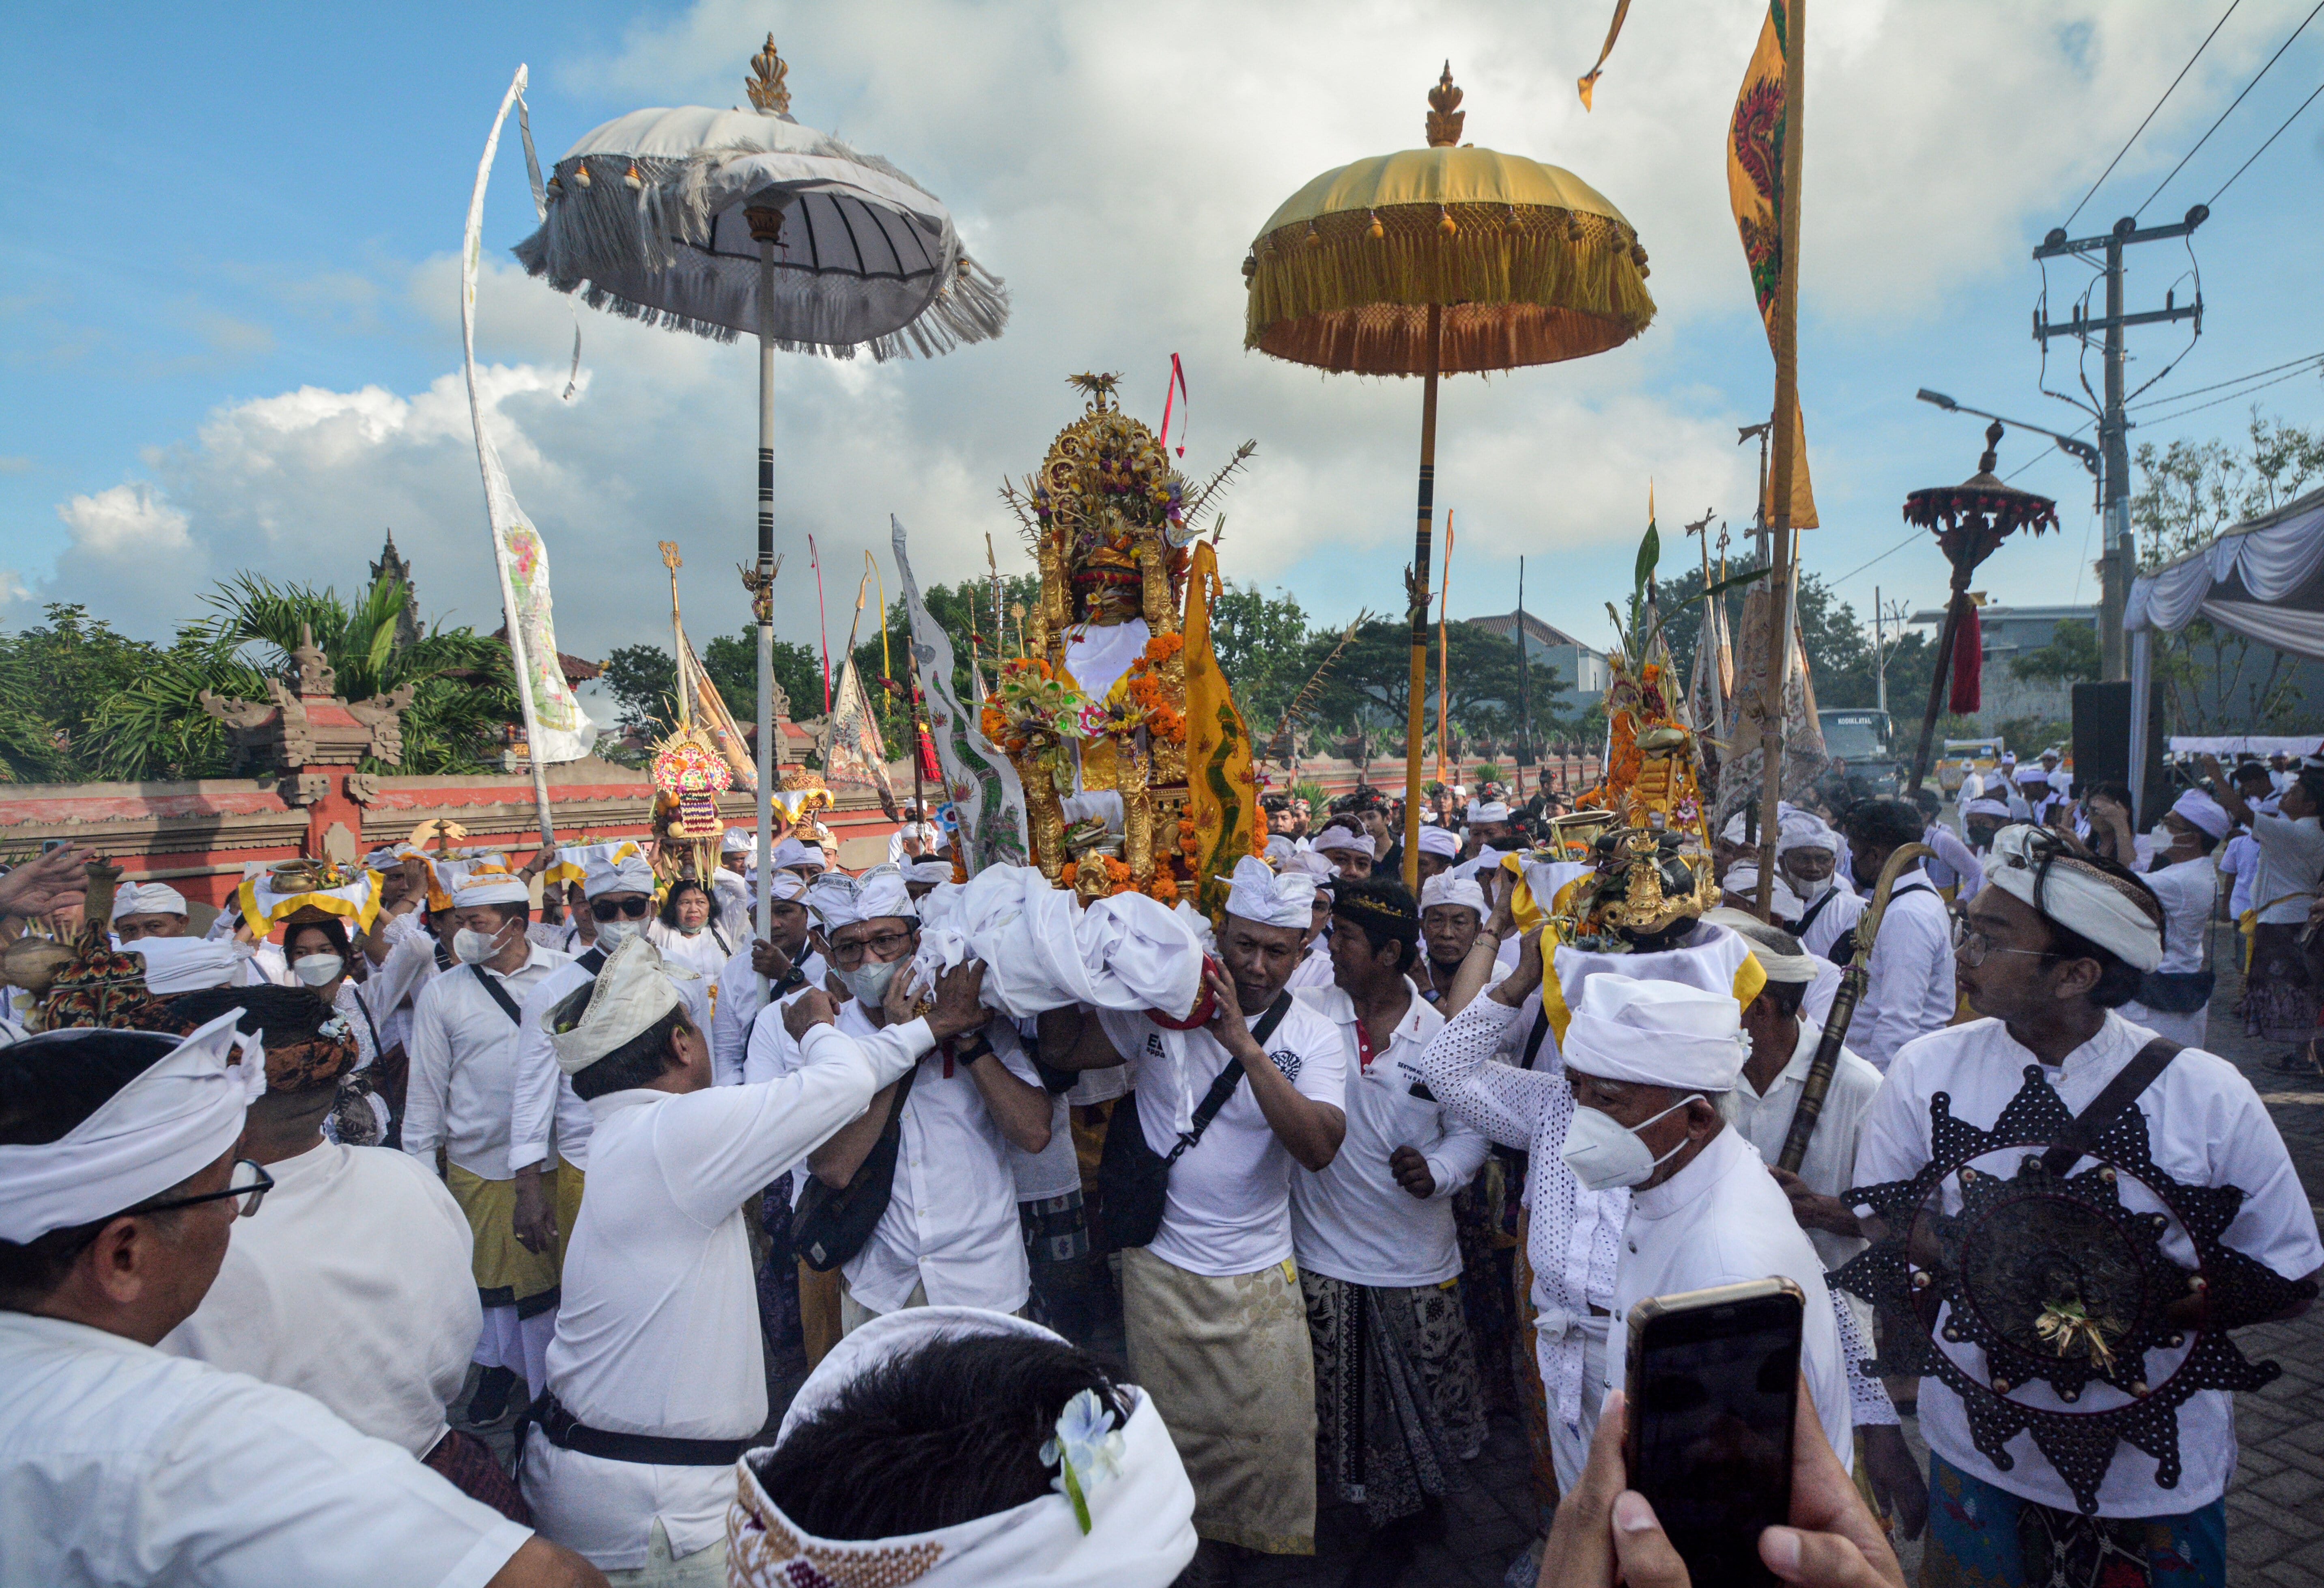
975	1047
790	979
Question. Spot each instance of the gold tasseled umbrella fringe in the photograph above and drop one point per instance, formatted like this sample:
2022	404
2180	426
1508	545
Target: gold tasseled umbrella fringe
1520	284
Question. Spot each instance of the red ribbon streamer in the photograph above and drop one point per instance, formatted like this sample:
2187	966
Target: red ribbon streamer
1968	663
1171	393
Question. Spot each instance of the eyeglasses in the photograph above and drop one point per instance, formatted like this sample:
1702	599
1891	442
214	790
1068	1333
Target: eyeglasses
887	946
607	909
1973	945
257	1184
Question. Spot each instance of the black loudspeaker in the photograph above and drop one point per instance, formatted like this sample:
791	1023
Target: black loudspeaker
2102	745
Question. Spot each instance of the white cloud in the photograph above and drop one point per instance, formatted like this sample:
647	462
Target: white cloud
124	520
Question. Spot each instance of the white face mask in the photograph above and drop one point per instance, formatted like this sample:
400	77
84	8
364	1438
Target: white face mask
685	931
611	935
318	970
1604	1153
869	981
475	947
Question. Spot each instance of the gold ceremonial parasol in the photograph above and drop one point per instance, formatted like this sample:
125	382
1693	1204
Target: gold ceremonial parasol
1442	260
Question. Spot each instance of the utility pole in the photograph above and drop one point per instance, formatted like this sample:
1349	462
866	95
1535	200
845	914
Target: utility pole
2119	559
1879	653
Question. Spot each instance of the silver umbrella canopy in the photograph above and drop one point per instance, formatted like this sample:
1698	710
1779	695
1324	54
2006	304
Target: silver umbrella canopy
728	223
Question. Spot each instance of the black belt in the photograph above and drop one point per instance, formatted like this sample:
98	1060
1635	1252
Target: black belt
560	1429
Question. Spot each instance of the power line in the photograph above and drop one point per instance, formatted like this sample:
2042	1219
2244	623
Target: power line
2162	419
2230	110
2272	137
2233	381
2151	115
1883	557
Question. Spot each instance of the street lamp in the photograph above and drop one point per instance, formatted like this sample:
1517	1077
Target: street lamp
2072	444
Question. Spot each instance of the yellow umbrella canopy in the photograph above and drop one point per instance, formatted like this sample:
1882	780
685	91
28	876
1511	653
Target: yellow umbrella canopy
1445	260
1528	264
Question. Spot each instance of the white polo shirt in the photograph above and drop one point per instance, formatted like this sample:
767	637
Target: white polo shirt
1350	1220
1228	1208
119	1465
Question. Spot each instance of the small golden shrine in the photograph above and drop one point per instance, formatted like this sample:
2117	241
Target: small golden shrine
1095	705
1643	823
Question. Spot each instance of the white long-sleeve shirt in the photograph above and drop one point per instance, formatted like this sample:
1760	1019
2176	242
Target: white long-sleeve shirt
1910	990
1956	866
657	1328
1350	1220
740	997
394	983
462	1082
539	1095
2205	1126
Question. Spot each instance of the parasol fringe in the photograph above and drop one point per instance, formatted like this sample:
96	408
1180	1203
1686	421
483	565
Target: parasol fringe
1337	285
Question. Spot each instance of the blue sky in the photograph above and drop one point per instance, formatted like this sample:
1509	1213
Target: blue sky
230	339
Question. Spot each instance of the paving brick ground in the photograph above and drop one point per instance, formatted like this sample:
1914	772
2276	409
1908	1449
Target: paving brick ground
2275	1504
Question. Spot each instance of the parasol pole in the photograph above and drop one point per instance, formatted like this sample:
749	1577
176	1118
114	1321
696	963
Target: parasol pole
766	225
1444	599
1786	448
1524	681
1416	693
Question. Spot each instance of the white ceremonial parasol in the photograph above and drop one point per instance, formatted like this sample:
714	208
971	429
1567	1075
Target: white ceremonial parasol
729	223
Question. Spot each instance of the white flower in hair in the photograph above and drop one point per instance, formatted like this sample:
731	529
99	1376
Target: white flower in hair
1088	1447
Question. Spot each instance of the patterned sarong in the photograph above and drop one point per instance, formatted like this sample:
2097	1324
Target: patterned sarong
1983	1536
2280	995
1229	1366
469	1465
506	1274
1398	1407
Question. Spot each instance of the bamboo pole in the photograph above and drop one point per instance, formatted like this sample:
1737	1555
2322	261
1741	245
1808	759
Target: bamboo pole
1414	695
1786	446
1444	599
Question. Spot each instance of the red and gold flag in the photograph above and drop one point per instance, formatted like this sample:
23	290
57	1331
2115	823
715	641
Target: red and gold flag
1755	187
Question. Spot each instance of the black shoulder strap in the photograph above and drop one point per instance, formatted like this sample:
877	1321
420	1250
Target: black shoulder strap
592	960
1540	1031
377	1047
1815	909
1222	1086
499	995
718	935
2118	1095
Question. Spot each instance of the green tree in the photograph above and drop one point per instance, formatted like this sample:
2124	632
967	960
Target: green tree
2071	656
1261	641
1368	686
2188	492
464	689
53	680
644	681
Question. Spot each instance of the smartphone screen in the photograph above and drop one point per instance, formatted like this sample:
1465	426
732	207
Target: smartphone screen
1712	1395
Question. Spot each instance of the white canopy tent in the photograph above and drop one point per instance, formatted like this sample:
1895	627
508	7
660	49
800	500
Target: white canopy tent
2264	579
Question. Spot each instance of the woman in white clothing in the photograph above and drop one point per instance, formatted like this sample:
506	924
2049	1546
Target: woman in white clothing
689	933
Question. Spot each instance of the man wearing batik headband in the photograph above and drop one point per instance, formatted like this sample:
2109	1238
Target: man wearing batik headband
2174	998
2050	951
1648	1062
891	1466
461	1096
1212	1307
618	898
949	1235
656	1379
1351	852
148	910
1784	1039
1398	1403
355	1287
1439	849
118	1188
1452	912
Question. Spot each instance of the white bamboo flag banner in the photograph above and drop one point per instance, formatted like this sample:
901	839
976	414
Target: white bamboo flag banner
556	727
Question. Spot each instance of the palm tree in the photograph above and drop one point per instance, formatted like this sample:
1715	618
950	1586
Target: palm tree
464	688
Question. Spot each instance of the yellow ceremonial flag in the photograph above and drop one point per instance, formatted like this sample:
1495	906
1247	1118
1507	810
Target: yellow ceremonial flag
1222	794
1755	189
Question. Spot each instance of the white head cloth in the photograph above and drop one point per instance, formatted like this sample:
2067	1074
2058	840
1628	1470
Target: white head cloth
1794	969
1281	851
791	852
2197	807
173	1121
1460	892
1992	808
629	875
2076	896
1489	810
1042	950
736	841
2009	758
489	884
1657	1033
1308	864
632	991
184	965
1258	895
147	899
1333	839
928	871
1142	1517
1805	830
1440	841
831	899
2032	774
880	892
1743	878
